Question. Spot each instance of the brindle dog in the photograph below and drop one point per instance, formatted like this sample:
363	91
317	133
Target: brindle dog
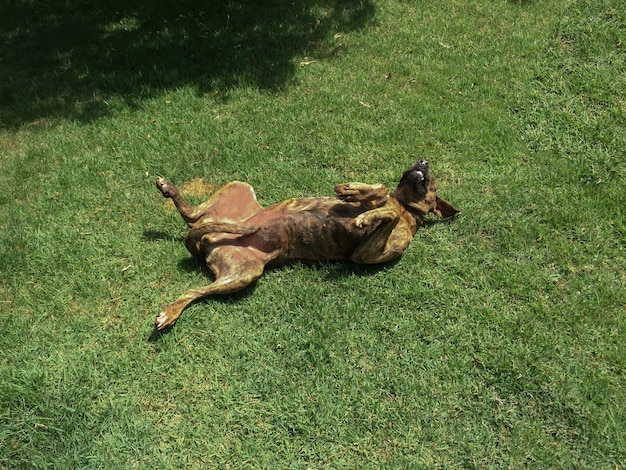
238	238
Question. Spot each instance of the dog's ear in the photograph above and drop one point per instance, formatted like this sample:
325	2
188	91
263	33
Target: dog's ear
444	209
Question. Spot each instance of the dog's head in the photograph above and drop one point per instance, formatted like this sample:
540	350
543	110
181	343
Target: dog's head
417	192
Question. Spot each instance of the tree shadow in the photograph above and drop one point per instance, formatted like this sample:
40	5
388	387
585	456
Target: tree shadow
68	58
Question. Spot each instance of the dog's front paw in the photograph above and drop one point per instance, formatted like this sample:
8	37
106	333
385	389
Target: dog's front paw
346	192
361	221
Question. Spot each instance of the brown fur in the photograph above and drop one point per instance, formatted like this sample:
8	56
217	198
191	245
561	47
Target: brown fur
237	237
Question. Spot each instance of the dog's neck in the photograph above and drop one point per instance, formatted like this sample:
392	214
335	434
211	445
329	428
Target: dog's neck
415	210
409	218
415	214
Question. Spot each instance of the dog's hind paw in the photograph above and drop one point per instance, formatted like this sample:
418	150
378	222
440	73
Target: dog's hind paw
166	188
163	321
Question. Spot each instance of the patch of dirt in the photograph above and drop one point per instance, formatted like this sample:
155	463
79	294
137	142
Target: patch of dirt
196	188
195	191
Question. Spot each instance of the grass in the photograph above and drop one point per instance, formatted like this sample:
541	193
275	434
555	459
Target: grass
496	341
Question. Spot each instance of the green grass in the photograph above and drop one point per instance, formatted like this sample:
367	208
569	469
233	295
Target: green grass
497	341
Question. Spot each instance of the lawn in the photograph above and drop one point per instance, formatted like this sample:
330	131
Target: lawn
496	341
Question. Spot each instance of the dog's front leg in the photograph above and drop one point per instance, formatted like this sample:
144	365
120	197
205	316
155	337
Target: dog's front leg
386	243
227	282
388	240
388	213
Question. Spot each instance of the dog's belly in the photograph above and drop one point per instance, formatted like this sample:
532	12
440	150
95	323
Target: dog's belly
296	229
310	235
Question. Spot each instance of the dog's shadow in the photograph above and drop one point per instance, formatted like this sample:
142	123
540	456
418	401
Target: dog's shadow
335	270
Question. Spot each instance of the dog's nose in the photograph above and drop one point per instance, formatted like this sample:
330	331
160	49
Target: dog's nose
424	163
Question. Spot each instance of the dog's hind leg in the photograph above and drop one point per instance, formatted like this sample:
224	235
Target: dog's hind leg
232	279
190	213
232	203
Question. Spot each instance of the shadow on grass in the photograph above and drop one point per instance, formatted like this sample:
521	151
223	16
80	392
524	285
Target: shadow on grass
334	270
68	58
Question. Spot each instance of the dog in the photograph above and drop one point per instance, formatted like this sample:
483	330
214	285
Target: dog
238	238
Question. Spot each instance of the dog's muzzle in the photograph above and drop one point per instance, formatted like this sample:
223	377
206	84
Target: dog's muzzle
420	171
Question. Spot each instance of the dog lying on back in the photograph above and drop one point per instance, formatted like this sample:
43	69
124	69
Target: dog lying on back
237	237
